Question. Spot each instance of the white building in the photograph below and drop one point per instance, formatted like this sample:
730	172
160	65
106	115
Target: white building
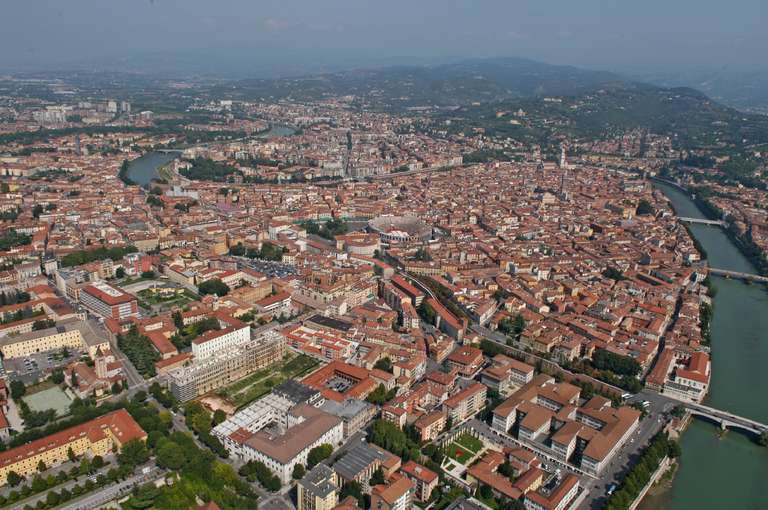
279	433
216	341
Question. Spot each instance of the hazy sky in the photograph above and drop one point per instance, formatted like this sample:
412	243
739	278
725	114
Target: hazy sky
606	34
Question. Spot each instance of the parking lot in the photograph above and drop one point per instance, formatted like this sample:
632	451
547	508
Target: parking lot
269	267
37	366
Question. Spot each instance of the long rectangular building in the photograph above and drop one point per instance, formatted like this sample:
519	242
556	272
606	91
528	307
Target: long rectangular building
230	364
73	334
95	437
109	302
278	432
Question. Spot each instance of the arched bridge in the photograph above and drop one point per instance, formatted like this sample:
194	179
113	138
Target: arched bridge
702	221
726	419
737	274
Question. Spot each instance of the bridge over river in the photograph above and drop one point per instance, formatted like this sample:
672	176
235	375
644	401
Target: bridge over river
702	221
736	274
725	419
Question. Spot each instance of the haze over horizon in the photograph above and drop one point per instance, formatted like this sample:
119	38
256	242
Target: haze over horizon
272	37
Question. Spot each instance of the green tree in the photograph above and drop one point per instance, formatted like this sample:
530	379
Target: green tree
13	478
57	376
120	272
427	313
213	286
133	453
318	454
298	472
377	478
645	208
178	320
85	466
384	364
170	455
616	363
17	389
355	490
484	492
219	416
52	499
237	250
38	484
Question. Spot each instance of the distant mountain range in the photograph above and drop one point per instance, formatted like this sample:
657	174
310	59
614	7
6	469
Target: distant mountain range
743	89
450	84
472	93
444	78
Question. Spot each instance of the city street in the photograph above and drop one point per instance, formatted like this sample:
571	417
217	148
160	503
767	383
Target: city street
109	493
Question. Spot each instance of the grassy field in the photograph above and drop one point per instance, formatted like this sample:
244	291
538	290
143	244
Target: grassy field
147	298
464	448
248	389
470	443
459	453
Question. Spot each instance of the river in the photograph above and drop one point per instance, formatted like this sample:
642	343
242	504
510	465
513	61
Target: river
142	170
729	472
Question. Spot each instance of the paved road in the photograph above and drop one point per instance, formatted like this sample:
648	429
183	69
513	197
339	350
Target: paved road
658	408
92	499
132	375
109	493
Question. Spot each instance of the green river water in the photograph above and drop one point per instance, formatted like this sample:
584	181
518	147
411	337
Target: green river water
729	472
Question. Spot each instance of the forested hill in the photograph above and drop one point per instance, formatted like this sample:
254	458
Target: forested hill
690	117
569	100
477	80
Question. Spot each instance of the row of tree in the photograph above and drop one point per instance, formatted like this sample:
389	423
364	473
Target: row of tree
639	475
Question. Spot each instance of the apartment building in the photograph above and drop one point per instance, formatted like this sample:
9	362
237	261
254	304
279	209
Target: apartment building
218	340
559	498
230	364
109	302
424	480
397	495
318	490
72	334
430	425
466	403
466	359
544	409
279	432
95	437
506	374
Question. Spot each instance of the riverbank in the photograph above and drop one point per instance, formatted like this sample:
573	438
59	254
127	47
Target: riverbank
711	212
142	170
727	471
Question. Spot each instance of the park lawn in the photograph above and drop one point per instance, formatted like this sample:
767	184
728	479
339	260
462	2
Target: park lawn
180	299
470	443
246	390
259	389
459	453
299	365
